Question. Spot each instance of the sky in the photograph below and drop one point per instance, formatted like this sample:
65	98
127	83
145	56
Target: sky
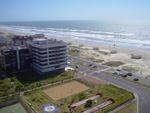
41	10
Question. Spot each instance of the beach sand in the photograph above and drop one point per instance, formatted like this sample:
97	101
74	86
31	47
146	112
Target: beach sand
140	67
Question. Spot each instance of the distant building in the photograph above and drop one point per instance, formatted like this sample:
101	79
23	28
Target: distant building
48	55
22	40
38	36
14	59
2	44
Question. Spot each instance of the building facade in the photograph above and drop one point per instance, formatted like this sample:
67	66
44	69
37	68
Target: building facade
48	55
15	59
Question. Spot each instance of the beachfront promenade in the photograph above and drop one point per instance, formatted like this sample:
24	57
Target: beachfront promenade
142	91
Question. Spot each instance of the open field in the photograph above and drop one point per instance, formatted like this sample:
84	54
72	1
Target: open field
15	108
65	90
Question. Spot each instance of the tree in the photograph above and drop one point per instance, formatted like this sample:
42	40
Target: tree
19	88
5	87
89	103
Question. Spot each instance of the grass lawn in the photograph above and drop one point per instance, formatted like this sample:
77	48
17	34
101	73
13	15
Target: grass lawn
32	76
69	59
30	79
81	63
109	91
132	108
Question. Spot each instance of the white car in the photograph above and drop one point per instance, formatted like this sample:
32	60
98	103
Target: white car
69	64
116	72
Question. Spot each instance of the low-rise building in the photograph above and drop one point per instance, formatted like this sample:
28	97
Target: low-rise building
22	40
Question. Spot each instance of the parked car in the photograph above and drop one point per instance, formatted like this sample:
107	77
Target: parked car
118	70
90	65
77	66
136	79
129	74
124	75
69	64
94	66
120	74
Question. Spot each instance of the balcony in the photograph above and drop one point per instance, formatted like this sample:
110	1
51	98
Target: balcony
35	65
56	56
57	49
36	60
33	49
36	53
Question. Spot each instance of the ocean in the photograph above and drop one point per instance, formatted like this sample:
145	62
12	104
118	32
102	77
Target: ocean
128	34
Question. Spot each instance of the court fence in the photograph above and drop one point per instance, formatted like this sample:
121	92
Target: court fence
16	100
9	102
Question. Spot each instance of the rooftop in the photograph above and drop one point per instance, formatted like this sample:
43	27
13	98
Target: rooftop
14	47
43	42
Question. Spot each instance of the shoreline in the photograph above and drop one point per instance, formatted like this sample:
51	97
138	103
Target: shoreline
87	40
123	54
79	41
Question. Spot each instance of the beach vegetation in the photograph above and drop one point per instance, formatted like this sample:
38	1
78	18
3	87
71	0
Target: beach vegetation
103	52
94	60
129	69
74	51
113	63
95	48
113	52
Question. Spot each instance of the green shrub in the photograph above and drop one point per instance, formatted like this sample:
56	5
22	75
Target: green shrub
113	63
89	103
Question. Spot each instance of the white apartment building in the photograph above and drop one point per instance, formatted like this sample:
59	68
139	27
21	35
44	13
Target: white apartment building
48	55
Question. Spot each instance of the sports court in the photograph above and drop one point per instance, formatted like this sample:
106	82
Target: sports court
14	108
49	108
65	90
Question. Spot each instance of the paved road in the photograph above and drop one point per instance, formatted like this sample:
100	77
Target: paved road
109	69
143	92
